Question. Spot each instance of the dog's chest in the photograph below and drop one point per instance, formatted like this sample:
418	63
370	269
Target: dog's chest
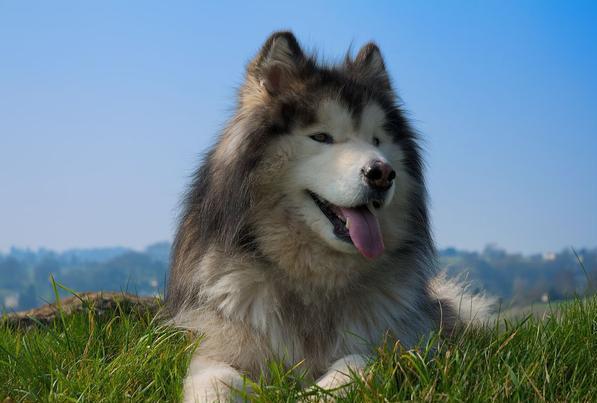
318	328
326	329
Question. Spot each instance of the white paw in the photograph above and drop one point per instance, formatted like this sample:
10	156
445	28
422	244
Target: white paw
210	381
342	371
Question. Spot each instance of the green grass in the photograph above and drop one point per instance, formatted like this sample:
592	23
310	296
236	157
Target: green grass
89	357
131	357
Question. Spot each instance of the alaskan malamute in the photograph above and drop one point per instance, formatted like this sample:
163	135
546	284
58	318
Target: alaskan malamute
305	233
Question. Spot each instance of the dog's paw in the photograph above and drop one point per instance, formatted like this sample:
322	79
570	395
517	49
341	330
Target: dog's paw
342	372
219	393
336	381
209	381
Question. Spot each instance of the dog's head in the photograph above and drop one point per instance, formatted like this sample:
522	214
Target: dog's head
328	148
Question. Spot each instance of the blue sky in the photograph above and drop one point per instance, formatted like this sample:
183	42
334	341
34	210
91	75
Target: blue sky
105	108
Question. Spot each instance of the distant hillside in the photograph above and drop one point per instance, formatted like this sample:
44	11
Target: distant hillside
521	280
24	274
159	251
516	279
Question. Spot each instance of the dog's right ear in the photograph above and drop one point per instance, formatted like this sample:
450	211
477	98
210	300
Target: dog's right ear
278	62
370	67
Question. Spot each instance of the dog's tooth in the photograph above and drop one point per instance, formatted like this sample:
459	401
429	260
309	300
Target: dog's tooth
347	225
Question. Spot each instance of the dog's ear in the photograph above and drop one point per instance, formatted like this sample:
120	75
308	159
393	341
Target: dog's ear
278	62
369	66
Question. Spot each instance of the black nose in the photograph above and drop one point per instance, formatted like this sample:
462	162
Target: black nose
379	174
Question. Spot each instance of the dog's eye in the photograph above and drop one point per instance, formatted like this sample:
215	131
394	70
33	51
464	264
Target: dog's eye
322	138
376	142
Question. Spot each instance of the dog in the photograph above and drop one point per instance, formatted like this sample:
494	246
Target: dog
305	235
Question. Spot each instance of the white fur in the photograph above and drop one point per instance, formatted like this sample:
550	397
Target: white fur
471	308
210	381
334	172
342	371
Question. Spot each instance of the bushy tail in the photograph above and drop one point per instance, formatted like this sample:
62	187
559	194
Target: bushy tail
467	307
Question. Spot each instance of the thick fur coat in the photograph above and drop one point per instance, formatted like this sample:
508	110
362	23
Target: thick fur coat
266	265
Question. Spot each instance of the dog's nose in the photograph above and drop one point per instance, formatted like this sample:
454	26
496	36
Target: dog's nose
379	174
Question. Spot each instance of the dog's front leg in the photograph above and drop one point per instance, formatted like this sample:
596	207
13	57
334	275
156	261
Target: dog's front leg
342	371
211	381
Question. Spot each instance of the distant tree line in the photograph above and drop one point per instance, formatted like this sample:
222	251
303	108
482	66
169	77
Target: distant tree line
521	280
25	275
516	279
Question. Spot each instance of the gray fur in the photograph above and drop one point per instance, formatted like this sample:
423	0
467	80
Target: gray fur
252	279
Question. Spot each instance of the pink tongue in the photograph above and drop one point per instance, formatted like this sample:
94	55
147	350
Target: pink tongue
364	231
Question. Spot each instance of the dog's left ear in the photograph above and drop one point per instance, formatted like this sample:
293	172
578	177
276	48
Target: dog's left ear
278	62
369	66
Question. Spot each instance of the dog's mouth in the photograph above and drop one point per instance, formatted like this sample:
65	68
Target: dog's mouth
356	225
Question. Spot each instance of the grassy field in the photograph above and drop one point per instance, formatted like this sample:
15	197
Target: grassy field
129	356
